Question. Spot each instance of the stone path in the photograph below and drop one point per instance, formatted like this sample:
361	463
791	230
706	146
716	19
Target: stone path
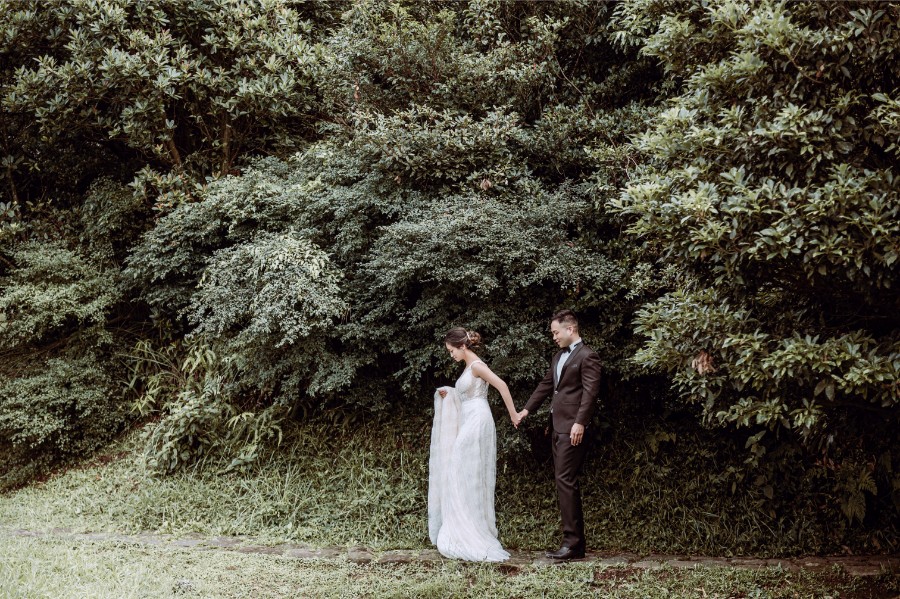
853	565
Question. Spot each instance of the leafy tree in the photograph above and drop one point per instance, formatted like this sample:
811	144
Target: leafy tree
481	124
773	189
438	199
172	87
95	94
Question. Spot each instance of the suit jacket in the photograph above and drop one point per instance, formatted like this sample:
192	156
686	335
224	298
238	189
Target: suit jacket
574	395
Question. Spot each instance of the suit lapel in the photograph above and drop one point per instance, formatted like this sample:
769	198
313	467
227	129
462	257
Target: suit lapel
554	364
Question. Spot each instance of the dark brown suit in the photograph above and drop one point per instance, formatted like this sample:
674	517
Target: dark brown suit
574	399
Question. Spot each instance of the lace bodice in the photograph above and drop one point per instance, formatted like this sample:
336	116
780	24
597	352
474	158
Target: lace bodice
469	386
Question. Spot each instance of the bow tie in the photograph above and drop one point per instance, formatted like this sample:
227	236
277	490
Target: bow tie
568	349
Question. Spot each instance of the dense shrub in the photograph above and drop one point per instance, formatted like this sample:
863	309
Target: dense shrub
424	214
773	188
58	395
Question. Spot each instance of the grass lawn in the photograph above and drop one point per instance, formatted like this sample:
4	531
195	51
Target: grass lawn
368	486
307	491
364	489
46	567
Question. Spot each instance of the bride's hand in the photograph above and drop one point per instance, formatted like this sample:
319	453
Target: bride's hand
442	393
518	417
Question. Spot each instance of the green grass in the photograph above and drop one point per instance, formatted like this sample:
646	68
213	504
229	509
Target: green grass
313	489
367	486
36	567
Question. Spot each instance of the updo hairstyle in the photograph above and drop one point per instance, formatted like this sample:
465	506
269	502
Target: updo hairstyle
459	337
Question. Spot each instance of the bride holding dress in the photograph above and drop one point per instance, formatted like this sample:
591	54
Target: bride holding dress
462	468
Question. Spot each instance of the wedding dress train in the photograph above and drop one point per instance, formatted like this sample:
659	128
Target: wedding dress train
462	473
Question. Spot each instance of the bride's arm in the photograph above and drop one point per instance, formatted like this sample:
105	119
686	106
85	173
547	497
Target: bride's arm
481	370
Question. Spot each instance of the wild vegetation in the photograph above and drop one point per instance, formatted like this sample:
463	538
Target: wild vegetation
250	223
121	570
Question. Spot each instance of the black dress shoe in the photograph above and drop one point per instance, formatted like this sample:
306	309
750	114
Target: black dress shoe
566	553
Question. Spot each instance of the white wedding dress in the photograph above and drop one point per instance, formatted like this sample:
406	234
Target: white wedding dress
462	472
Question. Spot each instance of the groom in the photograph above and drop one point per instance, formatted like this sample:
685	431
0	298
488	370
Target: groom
572	383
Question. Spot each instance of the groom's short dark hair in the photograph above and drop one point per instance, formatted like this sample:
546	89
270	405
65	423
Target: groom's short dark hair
566	318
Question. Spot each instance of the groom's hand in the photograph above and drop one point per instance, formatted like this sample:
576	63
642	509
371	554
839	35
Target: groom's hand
577	434
517	418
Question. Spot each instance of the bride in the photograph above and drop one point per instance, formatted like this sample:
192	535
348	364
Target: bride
462	466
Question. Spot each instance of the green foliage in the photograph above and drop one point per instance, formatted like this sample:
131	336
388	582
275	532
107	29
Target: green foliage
53	409
192	426
279	288
773	187
460	195
53	291
855	481
189	84
111	220
157	373
469	56
57	395
184	385
411	217
165	267
260	295
271	294
468	251
430	147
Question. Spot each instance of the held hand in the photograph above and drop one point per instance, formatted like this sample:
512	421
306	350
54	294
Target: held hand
518	417
442	393
577	434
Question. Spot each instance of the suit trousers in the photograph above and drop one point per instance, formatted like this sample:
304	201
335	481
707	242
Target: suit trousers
568	460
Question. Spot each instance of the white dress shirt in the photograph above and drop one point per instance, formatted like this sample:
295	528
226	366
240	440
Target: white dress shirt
563	358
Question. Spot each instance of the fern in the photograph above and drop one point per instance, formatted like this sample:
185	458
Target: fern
853	482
